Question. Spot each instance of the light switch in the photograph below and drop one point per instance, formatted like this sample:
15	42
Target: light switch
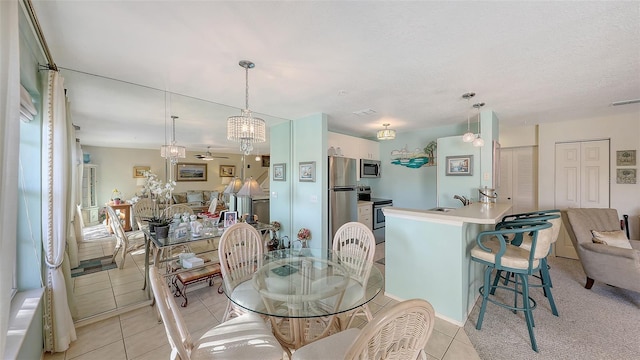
314	198
274	194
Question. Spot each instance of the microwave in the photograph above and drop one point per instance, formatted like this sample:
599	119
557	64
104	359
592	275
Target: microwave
369	168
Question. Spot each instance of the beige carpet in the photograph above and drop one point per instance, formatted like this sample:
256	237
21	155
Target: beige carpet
601	323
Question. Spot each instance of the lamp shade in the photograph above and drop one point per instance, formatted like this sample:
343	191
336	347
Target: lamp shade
386	133
233	187
250	188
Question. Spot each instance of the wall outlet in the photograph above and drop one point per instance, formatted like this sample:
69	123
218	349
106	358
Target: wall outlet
486	176
314	198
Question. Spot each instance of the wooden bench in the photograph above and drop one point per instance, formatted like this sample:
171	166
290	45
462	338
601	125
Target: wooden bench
183	279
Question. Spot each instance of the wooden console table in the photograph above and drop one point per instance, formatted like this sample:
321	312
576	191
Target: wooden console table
125	216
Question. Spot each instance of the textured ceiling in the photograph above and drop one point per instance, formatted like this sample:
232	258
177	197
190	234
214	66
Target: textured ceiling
530	62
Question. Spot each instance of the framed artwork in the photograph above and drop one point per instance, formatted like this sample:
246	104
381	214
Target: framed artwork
138	171
626	176
460	165
191	172
307	171
227	170
230	218
626	158
266	160
279	172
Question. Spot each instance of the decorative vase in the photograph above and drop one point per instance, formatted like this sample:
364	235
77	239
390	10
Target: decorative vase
162	232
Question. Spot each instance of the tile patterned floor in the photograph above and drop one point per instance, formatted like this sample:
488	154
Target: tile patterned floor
139	335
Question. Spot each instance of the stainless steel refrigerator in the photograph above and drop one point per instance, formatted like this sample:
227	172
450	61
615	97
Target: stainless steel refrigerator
343	197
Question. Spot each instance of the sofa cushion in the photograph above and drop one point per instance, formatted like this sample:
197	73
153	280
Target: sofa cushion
612	238
179	198
195	196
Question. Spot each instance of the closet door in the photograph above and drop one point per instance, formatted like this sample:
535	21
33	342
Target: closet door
581	181
519	178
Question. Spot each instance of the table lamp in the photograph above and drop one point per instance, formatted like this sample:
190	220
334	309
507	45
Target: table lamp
232	189
250	188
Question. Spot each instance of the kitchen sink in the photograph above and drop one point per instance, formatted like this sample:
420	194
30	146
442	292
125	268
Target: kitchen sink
442	209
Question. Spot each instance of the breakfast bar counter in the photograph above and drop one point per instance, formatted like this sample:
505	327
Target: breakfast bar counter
427	255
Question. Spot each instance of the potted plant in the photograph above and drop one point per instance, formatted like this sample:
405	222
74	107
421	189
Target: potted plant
160	192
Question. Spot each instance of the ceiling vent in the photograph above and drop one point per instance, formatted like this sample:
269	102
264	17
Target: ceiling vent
625	102
364	112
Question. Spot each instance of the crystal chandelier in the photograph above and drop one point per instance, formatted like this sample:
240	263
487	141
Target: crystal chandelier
173	152
245	128
386	133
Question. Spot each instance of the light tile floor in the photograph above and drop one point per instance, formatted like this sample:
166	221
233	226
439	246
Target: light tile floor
139	335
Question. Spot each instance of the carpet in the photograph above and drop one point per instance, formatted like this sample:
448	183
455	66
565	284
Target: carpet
93	266
96	232
601	323
381	261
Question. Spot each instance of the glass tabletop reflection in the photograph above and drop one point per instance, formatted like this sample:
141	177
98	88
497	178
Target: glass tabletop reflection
304	283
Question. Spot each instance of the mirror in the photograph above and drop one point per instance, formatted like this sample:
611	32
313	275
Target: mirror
121	127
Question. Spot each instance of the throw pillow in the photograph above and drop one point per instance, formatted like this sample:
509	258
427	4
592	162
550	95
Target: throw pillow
195	197
615	238
179	198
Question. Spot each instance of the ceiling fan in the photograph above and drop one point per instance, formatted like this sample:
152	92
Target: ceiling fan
207	156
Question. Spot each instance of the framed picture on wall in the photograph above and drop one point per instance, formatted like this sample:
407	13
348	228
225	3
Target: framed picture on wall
279	172
307	171
266	160
138	171
227	171
191	172
626	158
459	165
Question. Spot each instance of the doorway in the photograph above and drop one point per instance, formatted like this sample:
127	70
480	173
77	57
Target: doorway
581	181
519	178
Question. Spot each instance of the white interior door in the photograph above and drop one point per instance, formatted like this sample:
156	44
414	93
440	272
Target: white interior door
581	181
519	178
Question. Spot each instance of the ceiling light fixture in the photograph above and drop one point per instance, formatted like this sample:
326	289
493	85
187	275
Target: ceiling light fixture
386	133
173	152
245	128
468	136
478	142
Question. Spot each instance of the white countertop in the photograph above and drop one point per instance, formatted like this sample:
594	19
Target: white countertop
477	213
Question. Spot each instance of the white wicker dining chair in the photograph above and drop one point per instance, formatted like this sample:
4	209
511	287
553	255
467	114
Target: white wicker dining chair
177	209
143	209
125	242
398	332
240	252
354	246
245	337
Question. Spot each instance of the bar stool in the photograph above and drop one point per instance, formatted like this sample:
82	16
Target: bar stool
493	251
523	240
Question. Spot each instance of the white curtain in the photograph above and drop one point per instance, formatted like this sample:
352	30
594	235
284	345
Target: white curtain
58	323
9	147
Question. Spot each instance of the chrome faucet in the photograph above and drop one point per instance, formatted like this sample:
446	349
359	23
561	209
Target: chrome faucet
462	199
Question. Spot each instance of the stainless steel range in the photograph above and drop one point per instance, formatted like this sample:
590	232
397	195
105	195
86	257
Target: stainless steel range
364	194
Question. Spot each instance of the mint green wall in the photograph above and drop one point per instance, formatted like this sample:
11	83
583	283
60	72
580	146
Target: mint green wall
448	186
309	199
409	188
280	152
431	261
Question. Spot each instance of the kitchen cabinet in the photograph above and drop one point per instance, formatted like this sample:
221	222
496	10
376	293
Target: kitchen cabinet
89	201
365	213
354	147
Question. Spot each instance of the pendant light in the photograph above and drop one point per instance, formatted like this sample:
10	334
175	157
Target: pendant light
245	128
478	142
173	152
386	133
468	136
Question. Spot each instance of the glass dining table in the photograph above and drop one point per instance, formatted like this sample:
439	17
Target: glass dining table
304	292
163	246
